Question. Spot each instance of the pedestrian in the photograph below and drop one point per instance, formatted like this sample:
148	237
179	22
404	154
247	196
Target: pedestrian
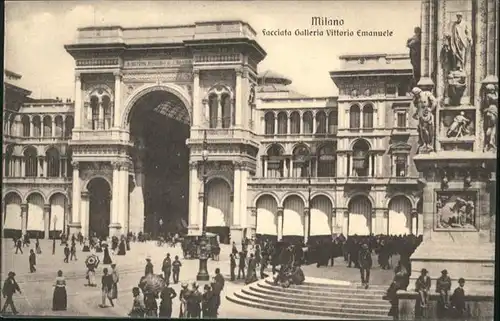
32	261
91	275
234	250
193	302
183	297
107	257
207	302
232	265
167	267
443	287
60	297
251	271
138	307
107	285
176	269
149	267
37	247
151	304
241	265
422	286
166	296
10	287
365	264
19	246
218	286
73	252
458	301
116	277
66	253
122	248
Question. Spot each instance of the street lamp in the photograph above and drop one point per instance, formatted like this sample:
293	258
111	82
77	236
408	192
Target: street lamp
204	245
54	237
307	161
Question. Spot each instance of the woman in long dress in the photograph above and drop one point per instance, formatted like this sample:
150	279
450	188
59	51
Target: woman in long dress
60	298
107	257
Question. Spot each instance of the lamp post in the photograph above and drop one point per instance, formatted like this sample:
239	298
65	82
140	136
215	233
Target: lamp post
54	237
204	244
309	203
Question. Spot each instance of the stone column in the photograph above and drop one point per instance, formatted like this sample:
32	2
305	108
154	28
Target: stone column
265	167
425	78
123	217
280	223
288	130
301	122
44	168
238	108
42	128
351	166
370	165
46	220
253	216
333	221
21	167
118	100
100	122
313	130
84	213
24	218
78	101
76	199
237	195
115	199
219	112
307	213
243	198
53	127
194	189
197	112
414	219
31	128
285	168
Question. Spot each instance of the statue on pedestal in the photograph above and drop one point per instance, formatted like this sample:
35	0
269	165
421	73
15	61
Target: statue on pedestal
459	126
490	111
460	42
414	44
425	103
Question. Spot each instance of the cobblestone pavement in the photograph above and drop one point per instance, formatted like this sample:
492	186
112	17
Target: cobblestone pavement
37	288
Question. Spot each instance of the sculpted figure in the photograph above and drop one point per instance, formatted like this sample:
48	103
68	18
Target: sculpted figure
490	112
459	126
425	103
459	42
414	44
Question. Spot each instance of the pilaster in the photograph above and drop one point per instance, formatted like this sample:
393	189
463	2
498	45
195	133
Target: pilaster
306	224
193	194
197	108
24	218
117	110
239	100
237	195
46	220
279	224
75	224
84	213
78	101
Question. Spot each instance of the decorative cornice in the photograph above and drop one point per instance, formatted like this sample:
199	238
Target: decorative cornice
75	164
24	208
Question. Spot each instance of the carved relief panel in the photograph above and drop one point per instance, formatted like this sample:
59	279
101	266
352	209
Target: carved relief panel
458	124
456	210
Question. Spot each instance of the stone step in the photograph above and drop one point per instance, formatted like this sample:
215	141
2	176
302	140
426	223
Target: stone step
338	313
322	299
332	288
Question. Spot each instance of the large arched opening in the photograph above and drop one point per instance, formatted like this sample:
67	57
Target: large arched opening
58	204
159	127
293	219
35	226
99	207
12	220
266	226
219	208
321	209
359	218
400	220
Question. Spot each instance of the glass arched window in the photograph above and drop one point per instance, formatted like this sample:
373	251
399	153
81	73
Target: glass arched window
30	162
295	123
269	123
321	122
37	125
53	162
333	122
282	123
301	161
308	122
59	126
226	110
327	161
368	116
68	127
106	106
213	106
275	161
25	120
354	117
47	126
360	158
94	106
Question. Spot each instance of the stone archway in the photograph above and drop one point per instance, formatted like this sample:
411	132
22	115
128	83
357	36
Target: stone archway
267	216
12	220
219	209
99	207
360	216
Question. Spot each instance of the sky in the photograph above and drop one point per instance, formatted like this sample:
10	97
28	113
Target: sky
36	32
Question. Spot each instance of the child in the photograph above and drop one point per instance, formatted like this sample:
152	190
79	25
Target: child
422	286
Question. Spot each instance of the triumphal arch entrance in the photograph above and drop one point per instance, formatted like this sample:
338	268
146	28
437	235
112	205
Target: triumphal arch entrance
146	101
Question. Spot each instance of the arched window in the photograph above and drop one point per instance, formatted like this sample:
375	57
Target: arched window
37	125
94	106
59	126
53	162
275	161
213	106
333	122
308	122
269	122
8	160
47	126
354	117
25	120
68	128
226	110
106	106
326	161
360	158
321	122
301	161
282	123
295	123
30	162
368	116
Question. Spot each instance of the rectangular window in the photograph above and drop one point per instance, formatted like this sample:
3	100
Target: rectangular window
401	120
401	165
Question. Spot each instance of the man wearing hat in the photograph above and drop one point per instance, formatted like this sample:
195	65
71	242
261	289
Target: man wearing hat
365	264
443	287
167	267
10	287
458	300
183	296
149	267
422	286
193	302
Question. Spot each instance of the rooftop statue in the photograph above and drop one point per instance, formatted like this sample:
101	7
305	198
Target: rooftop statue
414	44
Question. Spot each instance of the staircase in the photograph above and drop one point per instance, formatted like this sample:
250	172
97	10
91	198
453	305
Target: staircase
318	297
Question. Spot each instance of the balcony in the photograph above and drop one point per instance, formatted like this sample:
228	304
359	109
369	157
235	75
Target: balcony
99	136
35	140
37	180
306	137
400	131
403	180
223	135
318	181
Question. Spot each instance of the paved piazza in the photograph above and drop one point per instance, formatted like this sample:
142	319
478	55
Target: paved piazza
36	297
